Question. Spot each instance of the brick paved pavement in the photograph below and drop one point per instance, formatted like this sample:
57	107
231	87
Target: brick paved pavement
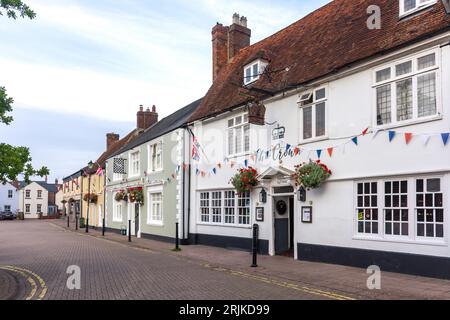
114	269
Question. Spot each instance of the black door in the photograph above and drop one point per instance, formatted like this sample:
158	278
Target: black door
281	215
136	219
291	226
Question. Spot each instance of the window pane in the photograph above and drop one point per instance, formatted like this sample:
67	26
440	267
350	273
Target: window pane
409	5
405	230
434	185
403	68
440	215
426	93
420	230
238	139
384	105
427	61
421	215
247	137
438	200
320	119
419	185
383	75
320	94
248	75
255	71
231	141
388	228
439	231
307	123
360	188
404	100
430	230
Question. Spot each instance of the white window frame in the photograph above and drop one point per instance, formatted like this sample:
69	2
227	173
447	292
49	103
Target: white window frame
134	171
27	208
117	214
10	194
150	219
223	207
313	105
254	77
158	167
412	237
39	194
7	208
414	75
39	208
419	6
238	129
27	194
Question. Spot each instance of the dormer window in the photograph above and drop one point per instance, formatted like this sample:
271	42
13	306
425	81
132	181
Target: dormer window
411	6
253	71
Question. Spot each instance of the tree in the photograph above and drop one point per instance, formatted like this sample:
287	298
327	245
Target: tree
13	8
15	161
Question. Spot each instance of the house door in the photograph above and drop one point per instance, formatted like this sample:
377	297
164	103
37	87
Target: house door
136	219
132	217
284	225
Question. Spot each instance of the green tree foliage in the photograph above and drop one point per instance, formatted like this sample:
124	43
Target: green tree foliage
15	161
15	8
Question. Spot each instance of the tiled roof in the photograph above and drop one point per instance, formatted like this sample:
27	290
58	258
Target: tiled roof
174	121
324	42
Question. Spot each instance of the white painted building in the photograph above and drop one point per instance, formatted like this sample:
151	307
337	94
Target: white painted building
33	200
373	105
9	198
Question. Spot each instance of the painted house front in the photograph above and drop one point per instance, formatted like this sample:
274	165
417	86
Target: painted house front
33	200
154	167
378	121
9	198
72	195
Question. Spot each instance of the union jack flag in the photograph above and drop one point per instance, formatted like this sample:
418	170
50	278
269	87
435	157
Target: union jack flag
195	149
99	172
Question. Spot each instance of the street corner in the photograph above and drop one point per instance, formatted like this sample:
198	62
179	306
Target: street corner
21	284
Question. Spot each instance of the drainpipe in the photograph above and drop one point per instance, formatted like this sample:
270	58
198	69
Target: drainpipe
184	185
189	191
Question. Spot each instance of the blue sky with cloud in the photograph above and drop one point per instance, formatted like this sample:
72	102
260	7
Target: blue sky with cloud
83	60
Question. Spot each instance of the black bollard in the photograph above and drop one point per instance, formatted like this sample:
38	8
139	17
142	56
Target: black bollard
103	227
129	230
68	221
177	238
255	246
76	222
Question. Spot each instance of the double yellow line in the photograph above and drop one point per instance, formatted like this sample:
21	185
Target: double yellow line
37	284
287	285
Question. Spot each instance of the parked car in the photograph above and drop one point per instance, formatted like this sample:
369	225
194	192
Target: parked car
7	215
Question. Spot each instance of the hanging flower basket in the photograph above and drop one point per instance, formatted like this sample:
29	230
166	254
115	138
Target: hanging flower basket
136	195
90	197
245	180
121	196
311	175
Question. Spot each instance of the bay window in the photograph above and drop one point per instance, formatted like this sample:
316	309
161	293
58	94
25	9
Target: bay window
411	6
407	91
225	208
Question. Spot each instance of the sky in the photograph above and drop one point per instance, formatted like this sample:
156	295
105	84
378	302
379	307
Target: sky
82	68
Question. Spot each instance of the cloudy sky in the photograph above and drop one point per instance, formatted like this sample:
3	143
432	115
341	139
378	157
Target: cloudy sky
82	67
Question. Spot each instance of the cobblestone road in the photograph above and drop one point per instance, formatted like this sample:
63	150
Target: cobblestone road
34	257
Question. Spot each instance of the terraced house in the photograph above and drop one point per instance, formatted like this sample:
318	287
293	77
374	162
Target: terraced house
147	180
370	101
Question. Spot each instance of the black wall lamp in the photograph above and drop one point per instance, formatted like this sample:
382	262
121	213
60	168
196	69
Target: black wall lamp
301	194
263	196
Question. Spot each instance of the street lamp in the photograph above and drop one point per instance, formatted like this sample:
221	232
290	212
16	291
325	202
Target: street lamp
90	166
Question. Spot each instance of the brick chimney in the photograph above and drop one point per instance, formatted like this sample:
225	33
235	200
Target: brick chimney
111	138
227	41
150	117
140	118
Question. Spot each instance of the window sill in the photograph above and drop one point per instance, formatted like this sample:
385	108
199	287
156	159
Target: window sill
224	225
240	155
409	123
313	140
436	243
155	224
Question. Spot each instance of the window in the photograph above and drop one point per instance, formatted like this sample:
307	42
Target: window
313	113
28	194
135	168
28	208
7	208
407	90
367	211
253	71
396	211
225	208
238	135
10	194
155	156
39	194
410	6
204	207
156	213
429	208
117	211
39	208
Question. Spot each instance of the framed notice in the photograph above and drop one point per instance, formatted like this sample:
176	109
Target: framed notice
307	214
260	214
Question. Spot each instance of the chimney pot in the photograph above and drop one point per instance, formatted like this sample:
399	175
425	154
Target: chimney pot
243	21
236	18
154	108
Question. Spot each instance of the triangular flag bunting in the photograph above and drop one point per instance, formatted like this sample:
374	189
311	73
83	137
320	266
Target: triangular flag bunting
296	151
288	146
365	131
319	153
215	171
391	135
375	133
219	165
355	140
330	152
408	137
445	137
425	139
246	163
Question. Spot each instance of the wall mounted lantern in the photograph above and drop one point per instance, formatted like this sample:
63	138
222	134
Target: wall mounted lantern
263	196
301	194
